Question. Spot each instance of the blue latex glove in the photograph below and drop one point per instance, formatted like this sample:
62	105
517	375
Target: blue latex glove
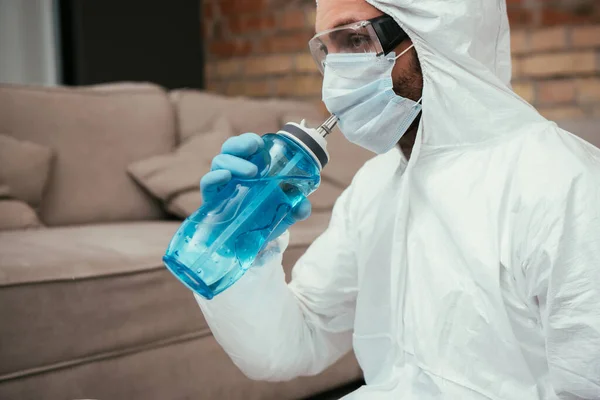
233	161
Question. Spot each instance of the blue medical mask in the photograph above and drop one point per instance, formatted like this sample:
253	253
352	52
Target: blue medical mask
358	89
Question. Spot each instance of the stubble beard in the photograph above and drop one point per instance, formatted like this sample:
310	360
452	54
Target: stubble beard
410	86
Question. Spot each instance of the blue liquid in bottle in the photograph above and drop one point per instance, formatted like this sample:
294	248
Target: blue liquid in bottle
217	244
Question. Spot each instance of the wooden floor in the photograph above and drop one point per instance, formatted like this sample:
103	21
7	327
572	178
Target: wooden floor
337	393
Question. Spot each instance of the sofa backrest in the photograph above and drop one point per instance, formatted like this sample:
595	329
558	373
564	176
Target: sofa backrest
197	112
95	132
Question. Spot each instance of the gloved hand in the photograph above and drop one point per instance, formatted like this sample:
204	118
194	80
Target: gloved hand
233	161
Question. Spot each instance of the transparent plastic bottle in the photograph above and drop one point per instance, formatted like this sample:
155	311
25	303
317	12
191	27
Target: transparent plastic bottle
217	244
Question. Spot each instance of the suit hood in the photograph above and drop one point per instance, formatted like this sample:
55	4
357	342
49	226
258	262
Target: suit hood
464	50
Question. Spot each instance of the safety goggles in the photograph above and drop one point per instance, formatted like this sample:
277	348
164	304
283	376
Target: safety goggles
378	36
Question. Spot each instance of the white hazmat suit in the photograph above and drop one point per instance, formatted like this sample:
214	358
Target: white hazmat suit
471	272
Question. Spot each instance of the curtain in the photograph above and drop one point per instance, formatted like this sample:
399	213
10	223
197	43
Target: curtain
28	42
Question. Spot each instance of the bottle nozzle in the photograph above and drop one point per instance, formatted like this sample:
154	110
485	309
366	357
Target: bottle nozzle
326	127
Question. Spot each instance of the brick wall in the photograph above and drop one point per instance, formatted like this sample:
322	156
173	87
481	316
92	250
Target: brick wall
557	69
258	48
538	13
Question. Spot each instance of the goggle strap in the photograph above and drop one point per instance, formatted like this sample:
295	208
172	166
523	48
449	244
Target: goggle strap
389	32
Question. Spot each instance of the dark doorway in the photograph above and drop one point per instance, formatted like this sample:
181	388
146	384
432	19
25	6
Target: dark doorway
135	40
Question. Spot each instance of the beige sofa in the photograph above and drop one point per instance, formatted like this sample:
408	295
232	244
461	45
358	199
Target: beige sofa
87	309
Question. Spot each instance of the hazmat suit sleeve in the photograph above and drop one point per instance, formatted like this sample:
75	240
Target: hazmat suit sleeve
275	331
564	276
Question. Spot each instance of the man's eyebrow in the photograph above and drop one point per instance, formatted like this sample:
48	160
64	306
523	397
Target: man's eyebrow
342	22
345	21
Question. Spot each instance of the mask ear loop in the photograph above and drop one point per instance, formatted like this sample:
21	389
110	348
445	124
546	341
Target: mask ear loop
404	52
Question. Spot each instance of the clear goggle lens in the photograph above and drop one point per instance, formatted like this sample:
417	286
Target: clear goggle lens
359	38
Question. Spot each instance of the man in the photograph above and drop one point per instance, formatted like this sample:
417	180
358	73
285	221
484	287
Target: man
469	269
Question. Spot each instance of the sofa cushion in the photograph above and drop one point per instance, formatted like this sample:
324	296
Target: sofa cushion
82	252
197	111
302	233
16	214
24	168
95	134
184	203
74	292
91	291
169	176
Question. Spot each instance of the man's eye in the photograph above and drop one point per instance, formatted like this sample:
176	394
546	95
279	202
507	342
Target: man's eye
323	48
357	42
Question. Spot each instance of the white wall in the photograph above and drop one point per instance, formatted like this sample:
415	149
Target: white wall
28	50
